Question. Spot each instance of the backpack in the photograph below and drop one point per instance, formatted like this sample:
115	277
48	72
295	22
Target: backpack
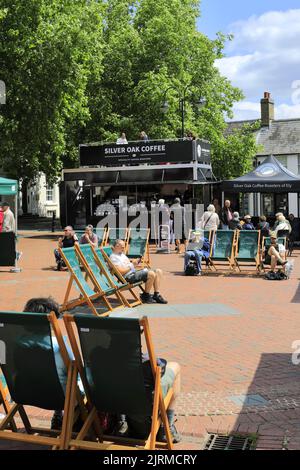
279	276
191	269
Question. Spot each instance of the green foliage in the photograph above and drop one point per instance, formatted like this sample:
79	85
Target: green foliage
233	154
81	71
48	53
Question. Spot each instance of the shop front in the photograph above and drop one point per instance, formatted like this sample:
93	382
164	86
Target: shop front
114	178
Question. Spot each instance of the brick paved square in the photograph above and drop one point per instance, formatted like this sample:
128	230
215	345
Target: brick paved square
235	341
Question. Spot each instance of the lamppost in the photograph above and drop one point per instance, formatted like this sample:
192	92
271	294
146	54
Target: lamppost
199	103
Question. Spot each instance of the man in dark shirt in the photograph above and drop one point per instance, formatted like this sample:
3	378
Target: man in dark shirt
67	241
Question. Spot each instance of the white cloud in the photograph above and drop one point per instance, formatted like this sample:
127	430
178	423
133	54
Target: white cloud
251	110
265	56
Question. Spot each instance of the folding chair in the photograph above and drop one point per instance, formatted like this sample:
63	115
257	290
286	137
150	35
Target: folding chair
114	234
138	246
247	248
87	294
30	371
95	271
115	277
107	251
222	248
102	235
112	372
266	243
5	400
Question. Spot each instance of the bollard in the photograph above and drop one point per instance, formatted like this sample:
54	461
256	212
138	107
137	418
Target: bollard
53	221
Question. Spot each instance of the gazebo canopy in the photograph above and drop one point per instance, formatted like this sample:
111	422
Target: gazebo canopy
269	177
8	187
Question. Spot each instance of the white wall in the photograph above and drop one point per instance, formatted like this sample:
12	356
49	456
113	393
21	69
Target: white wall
37	201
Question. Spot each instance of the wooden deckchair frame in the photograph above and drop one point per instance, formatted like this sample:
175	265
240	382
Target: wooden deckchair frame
4	401
84	298
256	259
126	286
124	239
35	435
160	404
145	261
95	280
121	278
230	258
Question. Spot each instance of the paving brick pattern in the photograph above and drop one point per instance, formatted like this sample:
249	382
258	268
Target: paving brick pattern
222	356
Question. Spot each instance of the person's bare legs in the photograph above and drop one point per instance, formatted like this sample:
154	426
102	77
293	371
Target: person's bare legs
157	280
150	281
275	256
175	367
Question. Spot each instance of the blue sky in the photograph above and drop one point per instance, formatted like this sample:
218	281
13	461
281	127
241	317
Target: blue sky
265	52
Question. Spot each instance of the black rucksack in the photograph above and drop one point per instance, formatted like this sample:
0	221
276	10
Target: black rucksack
278	276
191	269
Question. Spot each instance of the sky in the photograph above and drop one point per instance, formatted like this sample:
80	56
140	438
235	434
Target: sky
264	54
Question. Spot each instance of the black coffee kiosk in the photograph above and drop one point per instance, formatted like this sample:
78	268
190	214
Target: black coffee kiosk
139	173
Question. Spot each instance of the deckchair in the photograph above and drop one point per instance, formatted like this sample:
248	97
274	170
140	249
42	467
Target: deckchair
112	373
114	234
95	271
247	248
266	243
222	249
138	246
5	400
107	251
88	294
32	379
114	277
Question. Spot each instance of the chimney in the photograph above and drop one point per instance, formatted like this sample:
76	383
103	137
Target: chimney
267	109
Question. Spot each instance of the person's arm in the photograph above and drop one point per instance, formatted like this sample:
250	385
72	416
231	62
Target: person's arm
95	242
60	242
120	266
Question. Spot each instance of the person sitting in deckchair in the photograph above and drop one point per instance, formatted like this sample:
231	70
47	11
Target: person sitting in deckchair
275	254
89	237
139	426
152	278
48	305
67	241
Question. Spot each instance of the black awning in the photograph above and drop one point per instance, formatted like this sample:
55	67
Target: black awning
134	176
269	177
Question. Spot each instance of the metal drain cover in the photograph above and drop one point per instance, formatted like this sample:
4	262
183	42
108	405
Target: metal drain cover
225	442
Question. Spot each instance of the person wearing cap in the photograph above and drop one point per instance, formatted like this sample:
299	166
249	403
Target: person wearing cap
235	223
248	225
276	253
9	224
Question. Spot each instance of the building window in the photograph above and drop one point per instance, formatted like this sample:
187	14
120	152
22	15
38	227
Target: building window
282	159
49	193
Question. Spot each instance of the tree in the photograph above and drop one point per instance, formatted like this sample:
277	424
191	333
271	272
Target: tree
48	53
233	154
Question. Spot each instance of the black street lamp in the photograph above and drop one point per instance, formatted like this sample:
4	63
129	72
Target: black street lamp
199	103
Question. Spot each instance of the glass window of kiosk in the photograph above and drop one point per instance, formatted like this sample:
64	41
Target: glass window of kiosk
273	203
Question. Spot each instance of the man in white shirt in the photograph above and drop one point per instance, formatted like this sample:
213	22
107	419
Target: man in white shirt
9	218
122	140
127	268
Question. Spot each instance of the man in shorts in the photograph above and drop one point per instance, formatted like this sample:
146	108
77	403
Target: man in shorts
127	267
